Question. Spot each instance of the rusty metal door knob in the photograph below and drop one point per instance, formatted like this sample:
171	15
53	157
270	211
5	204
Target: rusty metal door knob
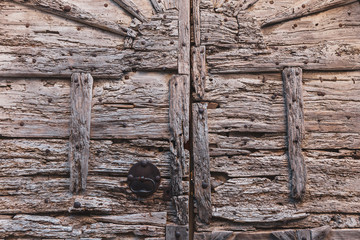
144	178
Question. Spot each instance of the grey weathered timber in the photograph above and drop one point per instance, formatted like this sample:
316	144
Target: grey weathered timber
304	8
198	71
184	37
131	8
295	129
79	145
157	6
320	233
196	22
179	129
181	204
71	11
201	161
177	232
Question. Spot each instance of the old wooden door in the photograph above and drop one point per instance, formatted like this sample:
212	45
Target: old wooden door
255	138
281	102
88	89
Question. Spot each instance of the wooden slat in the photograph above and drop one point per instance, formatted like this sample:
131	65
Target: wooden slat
179	129
79	146
304	8
71	11
181	204
295	129
198	69
201	161
131	8
184	38
320	233
157	6
196	22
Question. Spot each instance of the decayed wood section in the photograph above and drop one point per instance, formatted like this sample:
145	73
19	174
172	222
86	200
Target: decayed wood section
198	71
79	145
201	161
196	22
131	8
71	11
56	47
184	37
295	129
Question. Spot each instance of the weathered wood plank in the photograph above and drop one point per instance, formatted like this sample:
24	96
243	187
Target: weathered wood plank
320	232
157	6
79	143
23	226
201	161
181	204
198	72
295	129
179	129
304	8
184	38
72	12
196	22
131	8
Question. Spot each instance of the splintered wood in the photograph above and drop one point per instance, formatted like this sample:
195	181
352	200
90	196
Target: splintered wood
295	129
81	97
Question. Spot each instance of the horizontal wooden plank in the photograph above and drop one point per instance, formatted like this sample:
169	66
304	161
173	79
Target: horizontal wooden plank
60	226
135	107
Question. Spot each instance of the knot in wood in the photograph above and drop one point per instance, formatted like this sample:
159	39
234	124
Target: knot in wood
67	8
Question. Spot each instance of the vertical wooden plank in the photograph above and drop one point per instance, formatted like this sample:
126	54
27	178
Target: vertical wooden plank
201	161
198	72
181	204
320	233
303	234
196	22
132	9
177	232
184	37
81	95
292	78
157	6
179	129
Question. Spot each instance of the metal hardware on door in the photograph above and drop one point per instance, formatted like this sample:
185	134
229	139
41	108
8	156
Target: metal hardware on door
144	178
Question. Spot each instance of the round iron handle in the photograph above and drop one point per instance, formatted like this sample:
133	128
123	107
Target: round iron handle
141	181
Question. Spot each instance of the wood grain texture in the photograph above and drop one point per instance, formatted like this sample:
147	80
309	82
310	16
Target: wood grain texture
79	143
181	204
71	11
196	22
179	129
157	6
198	71
201	163
23	226
304	8
295	129
131	8
184	37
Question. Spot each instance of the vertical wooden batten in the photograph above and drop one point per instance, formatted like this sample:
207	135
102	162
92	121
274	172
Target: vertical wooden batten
179	129
184	37
292	78
196	22
198	71
177	232
201	161
81	95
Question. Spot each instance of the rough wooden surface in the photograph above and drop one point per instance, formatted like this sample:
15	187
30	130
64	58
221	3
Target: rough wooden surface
37	44
179	128
177	232
294	106
196	22
157	6
201	161
71	11
198	71
79	143
184	37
